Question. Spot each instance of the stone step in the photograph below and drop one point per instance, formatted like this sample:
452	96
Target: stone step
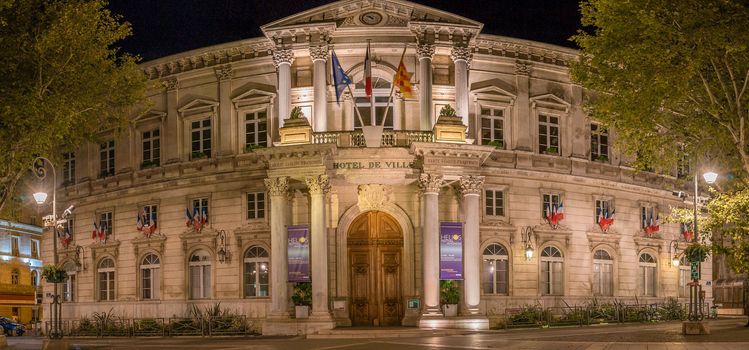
378	332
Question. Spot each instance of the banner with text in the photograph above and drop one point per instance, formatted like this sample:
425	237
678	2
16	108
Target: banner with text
298	252
451	250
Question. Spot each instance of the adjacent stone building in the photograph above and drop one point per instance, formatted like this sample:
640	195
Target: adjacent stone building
213	145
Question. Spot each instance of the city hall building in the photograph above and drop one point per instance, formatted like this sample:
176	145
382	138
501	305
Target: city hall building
200	199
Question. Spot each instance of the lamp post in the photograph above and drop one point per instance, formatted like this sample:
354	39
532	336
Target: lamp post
675	255
695	309
526	234
39	169
223	251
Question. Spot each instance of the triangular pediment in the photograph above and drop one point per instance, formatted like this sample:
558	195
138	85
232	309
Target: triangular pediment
253	96
495	90
346	13
198	105
149	115
550	101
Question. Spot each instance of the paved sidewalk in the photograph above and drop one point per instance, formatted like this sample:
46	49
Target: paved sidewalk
727	334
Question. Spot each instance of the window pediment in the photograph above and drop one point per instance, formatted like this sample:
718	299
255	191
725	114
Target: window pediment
253	97
149	116
111	248
155	243
497	91
550	101
198	106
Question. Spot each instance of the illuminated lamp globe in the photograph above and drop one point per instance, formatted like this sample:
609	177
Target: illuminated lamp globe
675	261
40	197
710	177
529	252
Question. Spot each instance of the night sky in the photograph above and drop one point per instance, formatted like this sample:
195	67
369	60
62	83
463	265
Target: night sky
165	27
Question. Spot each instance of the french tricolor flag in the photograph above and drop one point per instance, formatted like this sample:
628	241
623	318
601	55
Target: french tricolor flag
367	73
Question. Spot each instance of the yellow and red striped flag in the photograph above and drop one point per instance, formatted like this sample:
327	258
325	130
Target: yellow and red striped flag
402	80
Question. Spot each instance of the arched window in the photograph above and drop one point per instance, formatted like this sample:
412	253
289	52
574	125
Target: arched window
68	286
35	278
381	94
603	273
495	265
150	277
647	275
256	272
106	279
552	271
200	275
15	276
684	277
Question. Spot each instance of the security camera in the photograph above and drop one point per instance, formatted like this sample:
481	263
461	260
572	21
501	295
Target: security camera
679	194
68	212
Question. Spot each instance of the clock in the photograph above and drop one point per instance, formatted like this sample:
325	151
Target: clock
371	18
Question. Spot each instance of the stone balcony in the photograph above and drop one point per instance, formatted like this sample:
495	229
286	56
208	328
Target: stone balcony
390	138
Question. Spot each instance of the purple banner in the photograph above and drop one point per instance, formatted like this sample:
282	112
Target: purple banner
451	250
298	253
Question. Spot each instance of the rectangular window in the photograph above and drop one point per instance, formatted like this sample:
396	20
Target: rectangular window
648	216
67	287
35	249
200	205
495	276
684	278
255	205
495	205
548	134
256	129
150	214
106	285
599	143
380	103
550	201
647	283
201	139
68	168
551	277
106	157
603	208
492	127
15	245
603	277
105	222
151	148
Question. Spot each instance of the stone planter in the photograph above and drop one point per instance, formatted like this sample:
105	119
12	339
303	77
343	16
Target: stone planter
450	310
302	311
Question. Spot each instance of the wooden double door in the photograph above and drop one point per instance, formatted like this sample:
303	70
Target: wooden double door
375	246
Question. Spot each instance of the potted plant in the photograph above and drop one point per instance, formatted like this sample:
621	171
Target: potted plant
54	274
302	299
696	252
499	144
198	155
551	150
449	298
149	164
602	158
251	147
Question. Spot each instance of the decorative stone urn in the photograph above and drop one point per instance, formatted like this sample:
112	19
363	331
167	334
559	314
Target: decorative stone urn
449	127
296	129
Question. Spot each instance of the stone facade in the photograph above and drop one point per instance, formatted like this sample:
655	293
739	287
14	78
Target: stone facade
217	121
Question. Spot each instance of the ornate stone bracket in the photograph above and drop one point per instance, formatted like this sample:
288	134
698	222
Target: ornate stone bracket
224	72
111	247
373	197
522	68
155	243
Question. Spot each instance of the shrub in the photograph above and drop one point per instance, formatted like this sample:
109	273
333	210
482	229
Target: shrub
449	293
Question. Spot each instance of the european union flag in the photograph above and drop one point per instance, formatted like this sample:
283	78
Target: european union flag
340	79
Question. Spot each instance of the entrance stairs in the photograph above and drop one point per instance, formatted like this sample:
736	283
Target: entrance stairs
383	332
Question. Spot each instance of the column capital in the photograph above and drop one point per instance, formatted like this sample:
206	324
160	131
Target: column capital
461	53
430	183
277	186
283	56
522	68
471	185
170	84
224	72
318	52
319	184
425	51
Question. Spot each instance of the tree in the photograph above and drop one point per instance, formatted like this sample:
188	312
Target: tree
63	80
663	72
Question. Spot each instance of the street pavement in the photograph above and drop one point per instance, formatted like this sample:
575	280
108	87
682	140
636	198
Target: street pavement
727	334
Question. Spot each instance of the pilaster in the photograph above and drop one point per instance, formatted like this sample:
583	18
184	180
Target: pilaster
224	74
522	118
172	136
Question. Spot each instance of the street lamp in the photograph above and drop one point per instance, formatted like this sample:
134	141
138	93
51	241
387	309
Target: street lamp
223	252
675	256
695	308
39	169
526	234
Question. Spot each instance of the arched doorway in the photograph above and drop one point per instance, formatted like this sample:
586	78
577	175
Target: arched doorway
375	246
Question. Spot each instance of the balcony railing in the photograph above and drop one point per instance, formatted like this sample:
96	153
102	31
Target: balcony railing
390	138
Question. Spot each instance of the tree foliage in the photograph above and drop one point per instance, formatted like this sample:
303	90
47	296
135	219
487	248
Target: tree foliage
663	72
62	80
729	218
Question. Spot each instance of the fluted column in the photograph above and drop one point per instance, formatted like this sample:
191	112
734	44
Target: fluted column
278	189
319	56
283	58
427	117
430	187
461	56
318	186
223	75
470	187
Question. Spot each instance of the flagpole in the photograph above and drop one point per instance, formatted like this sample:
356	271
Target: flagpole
356	108
373	118
392	89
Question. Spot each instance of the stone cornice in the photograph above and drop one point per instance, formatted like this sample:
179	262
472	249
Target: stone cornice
524	49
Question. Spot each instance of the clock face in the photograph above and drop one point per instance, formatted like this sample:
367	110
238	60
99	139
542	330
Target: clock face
371	18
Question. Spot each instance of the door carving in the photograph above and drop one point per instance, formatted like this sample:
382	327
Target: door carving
375	245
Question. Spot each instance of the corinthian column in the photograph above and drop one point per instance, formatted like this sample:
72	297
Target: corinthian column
470	187
319	56
427	117
318	186
461	56
283	58
278	189
430	186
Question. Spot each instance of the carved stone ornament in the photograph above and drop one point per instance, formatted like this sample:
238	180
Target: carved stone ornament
170	84
224	72
425	51
319	184
318	52
461	53
277	186
471	184
430	183
283	56
522	68
374	196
